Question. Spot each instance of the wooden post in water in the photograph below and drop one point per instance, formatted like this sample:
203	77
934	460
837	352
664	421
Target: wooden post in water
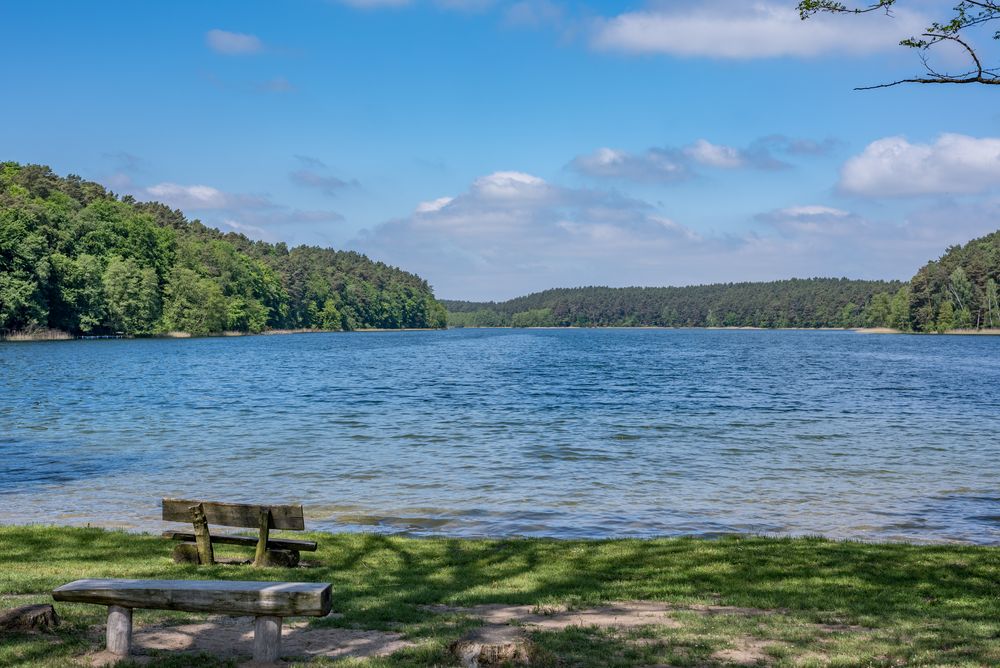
201	535
119	632
260	557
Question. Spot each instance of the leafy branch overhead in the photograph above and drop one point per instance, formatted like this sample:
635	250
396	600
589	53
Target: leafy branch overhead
967	17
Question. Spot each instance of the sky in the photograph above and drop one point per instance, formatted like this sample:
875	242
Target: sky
501	147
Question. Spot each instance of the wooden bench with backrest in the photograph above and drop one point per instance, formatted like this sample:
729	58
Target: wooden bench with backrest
268	602
197	546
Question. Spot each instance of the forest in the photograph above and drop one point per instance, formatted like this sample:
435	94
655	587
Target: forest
813	302
77	258
957	291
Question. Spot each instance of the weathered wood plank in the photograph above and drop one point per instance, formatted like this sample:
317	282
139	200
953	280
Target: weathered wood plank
236	514
265	531
247	541
279	599
201	536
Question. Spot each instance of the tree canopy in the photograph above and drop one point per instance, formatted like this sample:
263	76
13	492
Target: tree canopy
960	290
78	258
814	302
959	29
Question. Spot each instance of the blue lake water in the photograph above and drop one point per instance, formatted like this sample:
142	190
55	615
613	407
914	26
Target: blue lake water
516	432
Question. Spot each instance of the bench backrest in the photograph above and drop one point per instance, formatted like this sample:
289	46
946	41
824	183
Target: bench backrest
235	514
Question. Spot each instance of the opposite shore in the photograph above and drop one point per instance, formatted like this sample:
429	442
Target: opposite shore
58	335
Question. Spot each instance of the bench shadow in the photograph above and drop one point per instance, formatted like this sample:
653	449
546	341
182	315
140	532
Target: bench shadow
232	637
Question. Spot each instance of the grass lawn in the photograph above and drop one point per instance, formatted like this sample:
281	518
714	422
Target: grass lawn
827	603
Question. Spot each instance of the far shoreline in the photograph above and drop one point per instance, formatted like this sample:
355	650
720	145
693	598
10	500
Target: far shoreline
48	335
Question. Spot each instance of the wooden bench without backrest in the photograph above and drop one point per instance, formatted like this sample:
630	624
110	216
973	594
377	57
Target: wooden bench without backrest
265	518
268	602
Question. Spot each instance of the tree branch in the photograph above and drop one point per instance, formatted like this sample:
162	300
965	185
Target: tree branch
968	80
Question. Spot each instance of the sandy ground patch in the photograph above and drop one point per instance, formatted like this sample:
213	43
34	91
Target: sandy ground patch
748	652
621	615
225	637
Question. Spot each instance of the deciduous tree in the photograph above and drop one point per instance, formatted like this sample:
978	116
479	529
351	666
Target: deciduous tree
967	22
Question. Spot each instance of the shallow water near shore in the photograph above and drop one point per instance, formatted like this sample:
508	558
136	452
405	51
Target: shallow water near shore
567	433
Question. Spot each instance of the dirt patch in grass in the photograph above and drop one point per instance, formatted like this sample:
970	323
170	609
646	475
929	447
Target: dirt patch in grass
624	615
232	637
747	652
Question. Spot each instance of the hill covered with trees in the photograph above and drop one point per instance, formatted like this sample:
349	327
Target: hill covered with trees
76	257
957	291
813	302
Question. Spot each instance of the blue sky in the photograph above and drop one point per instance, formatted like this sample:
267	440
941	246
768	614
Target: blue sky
498	147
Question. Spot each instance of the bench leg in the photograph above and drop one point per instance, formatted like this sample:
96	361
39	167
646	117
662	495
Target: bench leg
266	639
119	630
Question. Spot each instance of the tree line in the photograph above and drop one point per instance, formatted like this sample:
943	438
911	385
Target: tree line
813	302
957	291
76	257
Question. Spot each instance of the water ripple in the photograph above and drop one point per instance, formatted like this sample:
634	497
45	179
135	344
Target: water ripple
540	433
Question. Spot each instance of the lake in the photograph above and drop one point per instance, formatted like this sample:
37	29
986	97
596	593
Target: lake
567	433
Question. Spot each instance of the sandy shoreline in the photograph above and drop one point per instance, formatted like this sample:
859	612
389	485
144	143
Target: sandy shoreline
55	335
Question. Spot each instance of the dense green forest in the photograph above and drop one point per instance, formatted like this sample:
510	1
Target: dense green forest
958	291
75	257
815	302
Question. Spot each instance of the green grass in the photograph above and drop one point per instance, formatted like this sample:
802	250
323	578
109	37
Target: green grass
833	603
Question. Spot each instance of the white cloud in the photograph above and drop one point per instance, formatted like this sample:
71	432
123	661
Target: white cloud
233	43
954	164
813	210
189	197
251	231
668	164
729	29
653	165
510	186
715	155
434	205
512	233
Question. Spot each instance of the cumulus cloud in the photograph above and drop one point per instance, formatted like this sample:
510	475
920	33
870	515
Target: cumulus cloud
662	165
511	233
510	228
714	155
256	216
233	43
434	205
189	197
669	164
725	29
894	167
815	220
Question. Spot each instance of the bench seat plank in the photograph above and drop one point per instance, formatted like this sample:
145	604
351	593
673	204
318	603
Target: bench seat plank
279	599
248	541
